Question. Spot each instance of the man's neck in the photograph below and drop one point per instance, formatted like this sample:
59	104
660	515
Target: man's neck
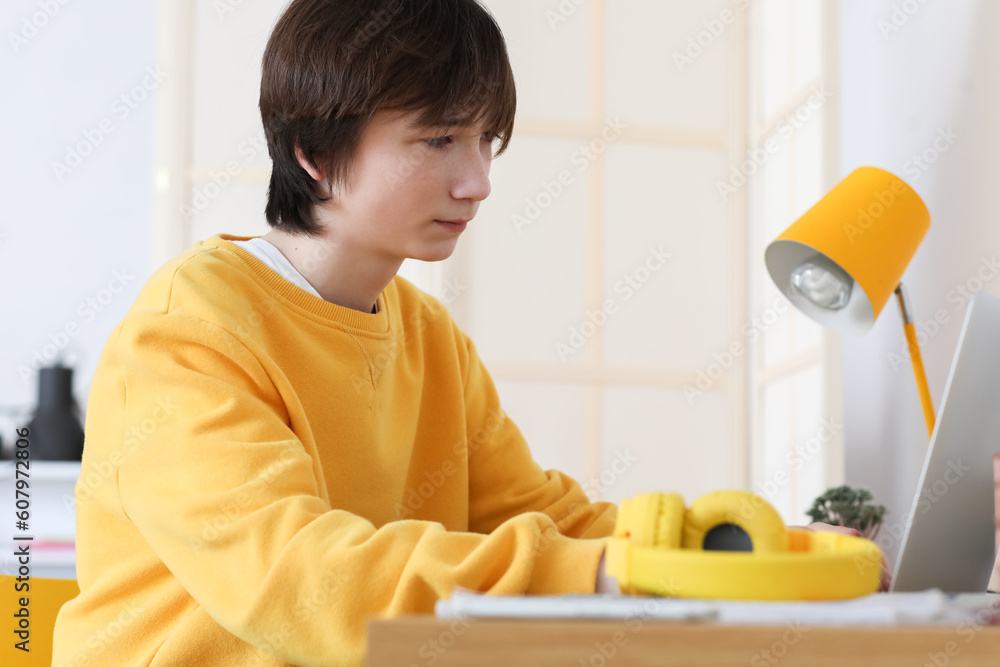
342	277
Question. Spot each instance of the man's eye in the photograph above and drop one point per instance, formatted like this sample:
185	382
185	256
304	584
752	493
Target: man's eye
438	142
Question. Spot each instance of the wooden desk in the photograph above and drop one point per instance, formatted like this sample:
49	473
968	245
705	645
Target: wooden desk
419	641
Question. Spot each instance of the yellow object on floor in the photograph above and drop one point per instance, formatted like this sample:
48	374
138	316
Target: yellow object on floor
733	545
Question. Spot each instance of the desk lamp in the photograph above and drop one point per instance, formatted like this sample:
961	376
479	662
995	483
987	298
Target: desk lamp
842	260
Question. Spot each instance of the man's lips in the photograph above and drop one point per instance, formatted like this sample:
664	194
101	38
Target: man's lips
454	225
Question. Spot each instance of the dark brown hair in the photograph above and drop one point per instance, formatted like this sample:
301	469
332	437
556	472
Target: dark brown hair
330	65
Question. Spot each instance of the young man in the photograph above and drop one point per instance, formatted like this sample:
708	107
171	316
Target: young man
284	438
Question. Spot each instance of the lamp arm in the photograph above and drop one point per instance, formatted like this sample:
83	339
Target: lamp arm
916	359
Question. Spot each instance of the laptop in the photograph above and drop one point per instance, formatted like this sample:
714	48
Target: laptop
949	538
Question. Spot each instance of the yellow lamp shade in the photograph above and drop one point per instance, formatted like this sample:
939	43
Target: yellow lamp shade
869	225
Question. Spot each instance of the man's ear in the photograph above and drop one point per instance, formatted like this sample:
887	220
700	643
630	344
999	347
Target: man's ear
310	168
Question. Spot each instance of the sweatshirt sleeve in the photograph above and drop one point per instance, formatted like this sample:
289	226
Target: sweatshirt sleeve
504	479
229	499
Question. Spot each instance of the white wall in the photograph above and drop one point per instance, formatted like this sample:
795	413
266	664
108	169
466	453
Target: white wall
900	88
61	241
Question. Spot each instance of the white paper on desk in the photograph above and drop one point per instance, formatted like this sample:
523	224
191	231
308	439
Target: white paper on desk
471	604
930	607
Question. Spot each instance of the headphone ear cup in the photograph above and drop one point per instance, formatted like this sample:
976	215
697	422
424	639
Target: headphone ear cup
740	509
652	520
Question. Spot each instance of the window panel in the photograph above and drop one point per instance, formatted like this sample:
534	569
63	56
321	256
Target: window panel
777	190
808	334
225	81
644	82
776	323
673	316
557	443
788	39
815	433
428	277
550	58
807	35
237	208
773	37
662	443
807	152
517	264
775	479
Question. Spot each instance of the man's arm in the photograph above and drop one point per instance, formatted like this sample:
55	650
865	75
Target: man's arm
504	479
227	458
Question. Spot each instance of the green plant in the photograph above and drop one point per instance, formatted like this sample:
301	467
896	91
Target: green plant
850	507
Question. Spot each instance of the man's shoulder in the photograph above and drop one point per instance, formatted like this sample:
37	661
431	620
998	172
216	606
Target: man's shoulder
201	282
419	307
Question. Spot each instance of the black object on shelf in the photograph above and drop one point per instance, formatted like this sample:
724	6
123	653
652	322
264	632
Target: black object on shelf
55	430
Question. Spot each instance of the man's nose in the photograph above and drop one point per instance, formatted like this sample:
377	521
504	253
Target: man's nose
472	180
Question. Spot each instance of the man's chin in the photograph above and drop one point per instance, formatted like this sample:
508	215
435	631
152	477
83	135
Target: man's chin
435	254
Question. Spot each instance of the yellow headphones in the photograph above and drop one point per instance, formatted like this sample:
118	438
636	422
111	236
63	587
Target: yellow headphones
733	545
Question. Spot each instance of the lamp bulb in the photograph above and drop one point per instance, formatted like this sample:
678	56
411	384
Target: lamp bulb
821	282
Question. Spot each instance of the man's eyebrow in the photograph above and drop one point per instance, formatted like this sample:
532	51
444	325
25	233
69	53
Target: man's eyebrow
446	123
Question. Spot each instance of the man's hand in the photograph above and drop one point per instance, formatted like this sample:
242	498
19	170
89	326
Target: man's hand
886	575
606	584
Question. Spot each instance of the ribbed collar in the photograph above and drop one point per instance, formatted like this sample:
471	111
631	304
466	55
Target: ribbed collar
376	323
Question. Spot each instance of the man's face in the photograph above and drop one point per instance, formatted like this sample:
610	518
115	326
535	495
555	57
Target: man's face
406	182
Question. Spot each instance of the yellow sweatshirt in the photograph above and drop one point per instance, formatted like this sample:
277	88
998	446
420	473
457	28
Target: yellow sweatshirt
265	471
